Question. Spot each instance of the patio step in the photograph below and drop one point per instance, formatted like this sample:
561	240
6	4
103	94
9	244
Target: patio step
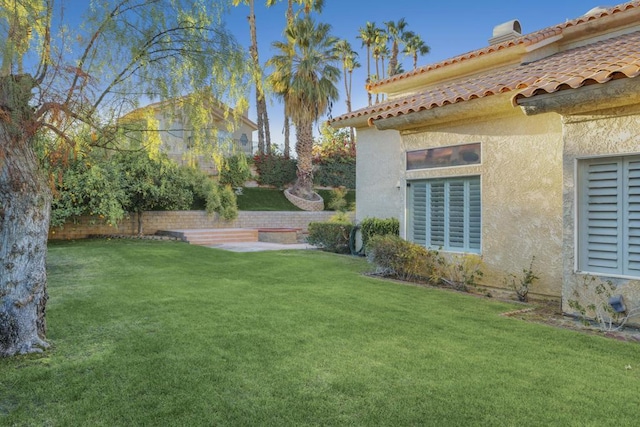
218	236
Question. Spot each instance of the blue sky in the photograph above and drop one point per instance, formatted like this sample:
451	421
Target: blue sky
449	28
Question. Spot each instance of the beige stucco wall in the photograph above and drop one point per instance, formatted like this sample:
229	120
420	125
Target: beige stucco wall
603	134
521	175
379	168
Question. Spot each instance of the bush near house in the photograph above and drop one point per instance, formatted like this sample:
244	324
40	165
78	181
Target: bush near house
330	236
376	227
394	256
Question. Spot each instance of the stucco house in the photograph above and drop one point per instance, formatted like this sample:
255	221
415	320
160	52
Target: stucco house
529	147
176	134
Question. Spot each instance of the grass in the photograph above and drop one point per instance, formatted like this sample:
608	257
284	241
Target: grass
163	333
264	199
268	199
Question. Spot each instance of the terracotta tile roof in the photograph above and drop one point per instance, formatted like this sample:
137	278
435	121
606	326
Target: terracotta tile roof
617	57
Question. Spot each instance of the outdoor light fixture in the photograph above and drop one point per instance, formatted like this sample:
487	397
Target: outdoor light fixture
617	303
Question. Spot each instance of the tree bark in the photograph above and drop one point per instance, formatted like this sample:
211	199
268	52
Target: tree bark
287	130
303	187
25	198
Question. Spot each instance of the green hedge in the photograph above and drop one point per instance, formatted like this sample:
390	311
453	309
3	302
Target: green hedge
275	170
378	227
336	174
330	236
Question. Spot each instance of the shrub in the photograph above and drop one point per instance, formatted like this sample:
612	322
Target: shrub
330	236
378	227
396	257
274	169
522	284
333	172
460	271
235	171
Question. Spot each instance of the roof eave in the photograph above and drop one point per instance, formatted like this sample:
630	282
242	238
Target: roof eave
594	97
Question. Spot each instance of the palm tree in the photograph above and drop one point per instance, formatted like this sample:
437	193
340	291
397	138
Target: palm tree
264	136
349	62
415	46
305	77
368	35
308	6
379	52
396	32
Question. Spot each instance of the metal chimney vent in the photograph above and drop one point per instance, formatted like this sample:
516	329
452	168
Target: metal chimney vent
508	31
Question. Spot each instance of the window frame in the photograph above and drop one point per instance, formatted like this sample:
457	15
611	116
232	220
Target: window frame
582	229
471	218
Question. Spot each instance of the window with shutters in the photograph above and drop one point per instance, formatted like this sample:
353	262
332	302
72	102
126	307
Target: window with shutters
609	216
446	213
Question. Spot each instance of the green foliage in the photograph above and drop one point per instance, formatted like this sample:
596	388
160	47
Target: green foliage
396	257
152	184
334	144
215	197
335	159
235	171
108	187
338	201
522	285
87	187
228	206
330	236
376	226
333	173
275	169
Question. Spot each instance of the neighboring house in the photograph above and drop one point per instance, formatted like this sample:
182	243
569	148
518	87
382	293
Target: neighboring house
527	147
176	135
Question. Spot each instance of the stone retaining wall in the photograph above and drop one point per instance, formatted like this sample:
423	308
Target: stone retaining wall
185	220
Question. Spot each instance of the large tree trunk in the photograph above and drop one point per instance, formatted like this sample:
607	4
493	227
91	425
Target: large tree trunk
287	130
303	187
25	202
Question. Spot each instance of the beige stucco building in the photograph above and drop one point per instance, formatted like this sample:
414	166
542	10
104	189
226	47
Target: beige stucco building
169	123
529	147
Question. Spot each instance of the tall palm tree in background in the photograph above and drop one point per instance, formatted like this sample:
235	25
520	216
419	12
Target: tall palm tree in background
396	33
368	35
415	46
349	62
308	6
264	136
379	51
305	77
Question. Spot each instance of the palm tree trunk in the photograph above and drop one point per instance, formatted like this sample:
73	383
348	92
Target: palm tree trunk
265	124
260	104
351	131
287	133
393	60
303	187
25	203
369	73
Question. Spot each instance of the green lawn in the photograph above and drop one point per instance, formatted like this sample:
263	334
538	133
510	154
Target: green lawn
163	333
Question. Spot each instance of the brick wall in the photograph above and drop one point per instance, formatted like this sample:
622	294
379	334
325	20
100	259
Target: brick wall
184	220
